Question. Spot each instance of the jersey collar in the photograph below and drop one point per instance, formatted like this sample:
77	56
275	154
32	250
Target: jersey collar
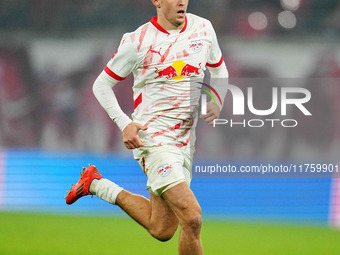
154	22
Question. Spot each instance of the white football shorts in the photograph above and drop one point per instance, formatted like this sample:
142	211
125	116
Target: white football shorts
165	166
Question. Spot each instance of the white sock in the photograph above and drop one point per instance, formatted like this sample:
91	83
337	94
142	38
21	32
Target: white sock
105	189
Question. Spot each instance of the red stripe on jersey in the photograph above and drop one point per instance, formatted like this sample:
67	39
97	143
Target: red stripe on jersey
187	129
217	64
113	75
142	35
154	22
182	98
177	126
115	54
160	28
185	25
185	54
138	101
180	145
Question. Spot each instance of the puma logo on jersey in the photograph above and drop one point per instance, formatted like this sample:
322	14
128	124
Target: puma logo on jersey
158	52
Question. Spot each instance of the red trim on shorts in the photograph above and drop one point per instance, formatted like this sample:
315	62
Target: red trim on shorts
138	101
160	28
113	75
217	64
143	162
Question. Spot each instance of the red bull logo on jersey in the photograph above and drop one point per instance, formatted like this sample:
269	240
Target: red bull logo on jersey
164	170
178	71
196	46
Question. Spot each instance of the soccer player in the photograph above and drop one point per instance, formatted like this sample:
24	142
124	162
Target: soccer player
165	55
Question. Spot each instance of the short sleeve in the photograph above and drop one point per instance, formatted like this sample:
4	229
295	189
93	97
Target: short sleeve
123	61
215	58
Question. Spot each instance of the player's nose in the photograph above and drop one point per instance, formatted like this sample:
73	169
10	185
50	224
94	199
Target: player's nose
182	2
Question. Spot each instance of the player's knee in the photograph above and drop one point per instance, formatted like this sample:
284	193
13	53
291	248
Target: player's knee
193	223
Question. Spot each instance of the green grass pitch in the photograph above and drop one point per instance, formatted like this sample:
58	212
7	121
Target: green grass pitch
49	234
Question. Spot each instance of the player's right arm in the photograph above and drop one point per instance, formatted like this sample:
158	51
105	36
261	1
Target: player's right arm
120	65
130	135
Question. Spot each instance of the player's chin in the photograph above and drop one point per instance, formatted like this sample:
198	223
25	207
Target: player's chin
179	20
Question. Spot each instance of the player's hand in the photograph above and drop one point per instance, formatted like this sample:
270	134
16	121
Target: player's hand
213	112
131	137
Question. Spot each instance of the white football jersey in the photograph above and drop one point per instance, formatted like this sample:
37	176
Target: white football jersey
164	65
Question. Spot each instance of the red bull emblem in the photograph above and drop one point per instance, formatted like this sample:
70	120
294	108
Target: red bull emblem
168	72
178	71
164	170
196	46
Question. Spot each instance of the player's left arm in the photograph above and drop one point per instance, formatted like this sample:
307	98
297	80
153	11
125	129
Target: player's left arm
219	79
213	112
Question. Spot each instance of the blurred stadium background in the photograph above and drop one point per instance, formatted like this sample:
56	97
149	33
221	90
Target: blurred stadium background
51	125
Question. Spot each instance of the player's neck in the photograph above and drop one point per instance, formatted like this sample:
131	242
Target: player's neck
167	25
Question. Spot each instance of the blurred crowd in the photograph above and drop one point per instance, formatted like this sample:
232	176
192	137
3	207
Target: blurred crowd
63	17
50	111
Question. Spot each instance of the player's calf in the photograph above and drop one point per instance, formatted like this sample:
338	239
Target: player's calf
192	224
163	233
184	204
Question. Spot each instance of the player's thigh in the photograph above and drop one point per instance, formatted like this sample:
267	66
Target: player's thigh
183	203
161	213
165	167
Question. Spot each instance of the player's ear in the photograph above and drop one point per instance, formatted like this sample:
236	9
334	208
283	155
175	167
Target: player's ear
156	3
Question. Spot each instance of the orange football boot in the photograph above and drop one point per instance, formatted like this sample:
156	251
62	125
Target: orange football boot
82	187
